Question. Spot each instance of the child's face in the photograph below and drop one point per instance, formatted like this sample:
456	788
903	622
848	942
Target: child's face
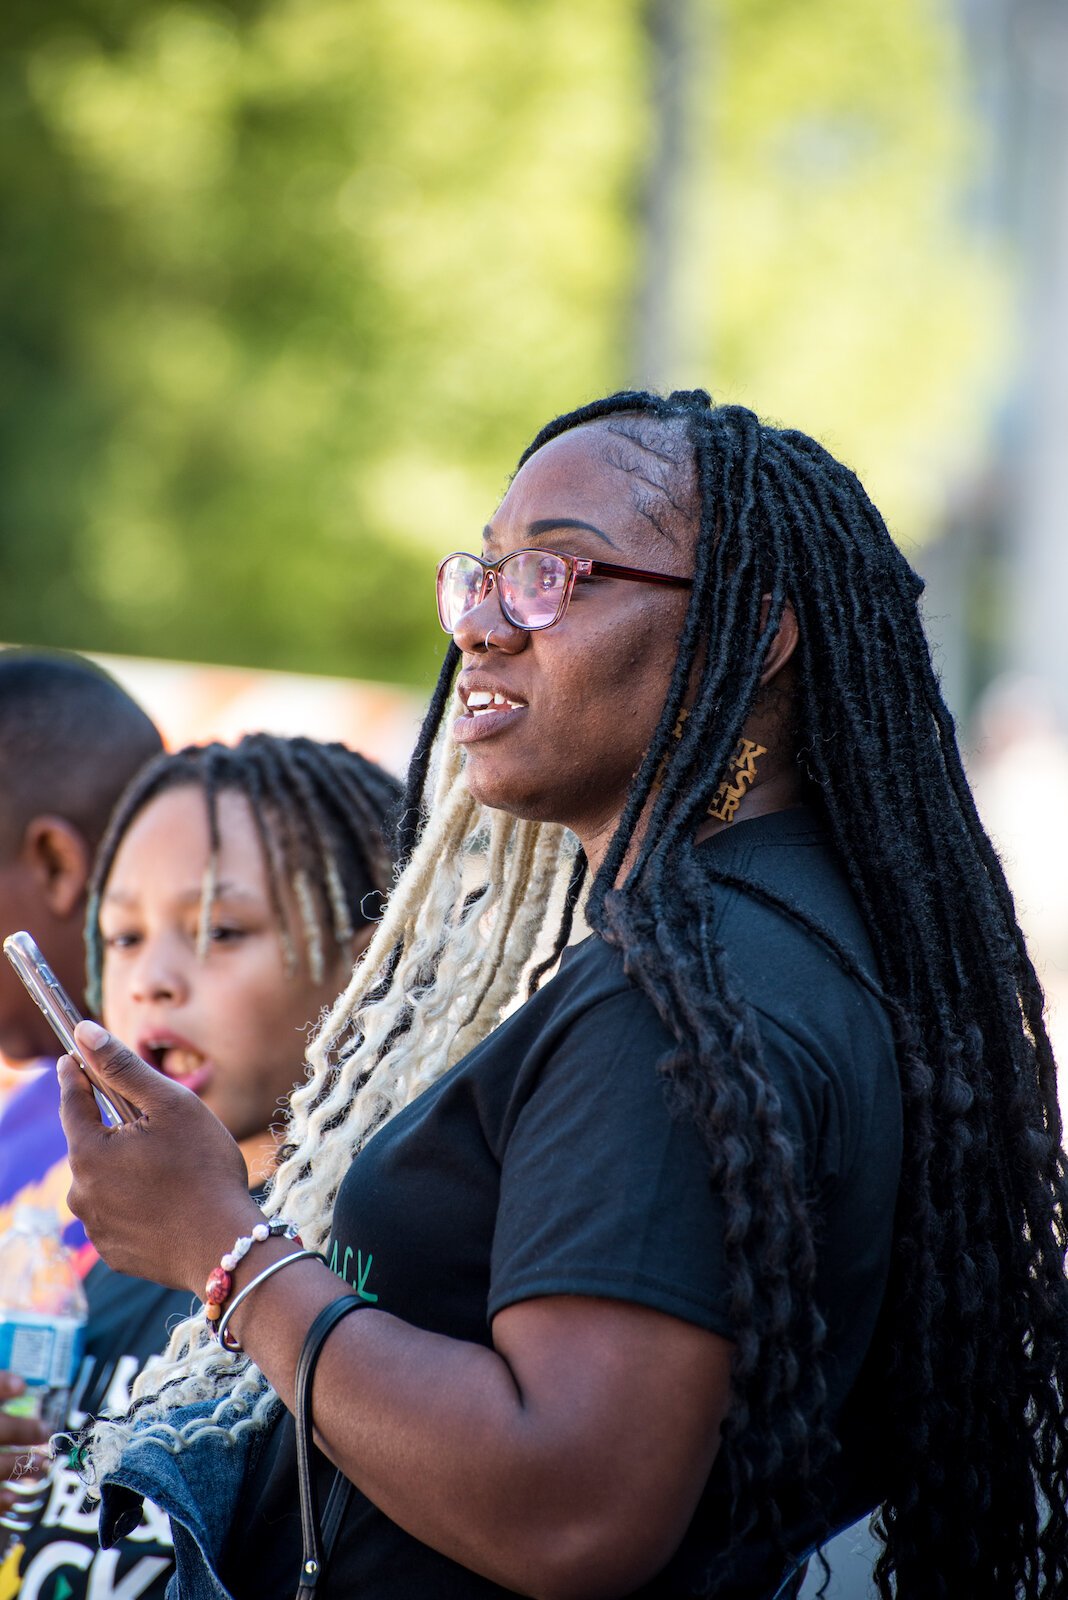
231	1025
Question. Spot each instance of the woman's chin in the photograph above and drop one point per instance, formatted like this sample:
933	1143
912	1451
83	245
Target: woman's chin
486	786
497	793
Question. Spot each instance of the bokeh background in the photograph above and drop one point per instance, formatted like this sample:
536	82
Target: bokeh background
287	285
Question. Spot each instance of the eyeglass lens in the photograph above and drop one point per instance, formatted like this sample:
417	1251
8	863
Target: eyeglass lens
532	585
459	586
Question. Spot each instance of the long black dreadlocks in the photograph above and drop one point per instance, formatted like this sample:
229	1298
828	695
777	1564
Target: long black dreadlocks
325	817
975	1325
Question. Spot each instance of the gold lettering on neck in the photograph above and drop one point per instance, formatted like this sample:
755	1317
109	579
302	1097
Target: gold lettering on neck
742	774
730	794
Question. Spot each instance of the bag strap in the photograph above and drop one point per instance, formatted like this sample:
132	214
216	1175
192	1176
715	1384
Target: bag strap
317	1547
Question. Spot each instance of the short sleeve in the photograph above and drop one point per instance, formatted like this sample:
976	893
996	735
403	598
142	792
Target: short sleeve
602	1191
605	1192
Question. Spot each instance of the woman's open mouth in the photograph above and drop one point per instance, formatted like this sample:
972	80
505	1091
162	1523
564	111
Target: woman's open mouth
485	711
480	701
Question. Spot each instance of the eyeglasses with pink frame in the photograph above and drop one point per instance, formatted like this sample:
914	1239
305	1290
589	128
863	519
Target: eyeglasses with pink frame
452	608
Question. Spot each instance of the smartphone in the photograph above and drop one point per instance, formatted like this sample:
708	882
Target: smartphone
64	1016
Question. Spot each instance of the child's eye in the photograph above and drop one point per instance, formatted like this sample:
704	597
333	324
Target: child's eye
120	941
225	934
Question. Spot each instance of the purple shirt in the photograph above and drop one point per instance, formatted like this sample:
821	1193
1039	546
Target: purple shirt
33	1156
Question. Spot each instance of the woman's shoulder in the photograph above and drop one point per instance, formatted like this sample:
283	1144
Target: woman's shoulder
799	953
782	910
779	907
590	978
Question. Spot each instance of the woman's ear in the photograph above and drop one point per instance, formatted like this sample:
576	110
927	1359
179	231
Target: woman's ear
784	643
59	860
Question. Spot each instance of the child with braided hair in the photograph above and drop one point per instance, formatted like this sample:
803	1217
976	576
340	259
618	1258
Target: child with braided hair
265	865
753	1216
231	894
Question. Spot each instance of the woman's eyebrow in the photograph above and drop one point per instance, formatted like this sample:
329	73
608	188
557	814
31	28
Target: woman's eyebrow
544	525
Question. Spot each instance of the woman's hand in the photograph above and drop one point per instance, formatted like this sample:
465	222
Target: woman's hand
162	1197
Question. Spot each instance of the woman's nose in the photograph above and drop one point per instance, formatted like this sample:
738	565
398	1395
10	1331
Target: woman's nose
486	625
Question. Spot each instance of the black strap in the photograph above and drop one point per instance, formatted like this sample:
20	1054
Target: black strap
317	1545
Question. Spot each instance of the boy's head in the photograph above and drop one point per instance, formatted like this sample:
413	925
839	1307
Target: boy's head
70	741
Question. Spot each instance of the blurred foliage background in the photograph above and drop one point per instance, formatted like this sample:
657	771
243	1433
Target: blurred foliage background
286	285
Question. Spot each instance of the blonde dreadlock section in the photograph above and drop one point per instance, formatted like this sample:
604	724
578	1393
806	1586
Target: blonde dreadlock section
458	932
313	938
208	890
465	918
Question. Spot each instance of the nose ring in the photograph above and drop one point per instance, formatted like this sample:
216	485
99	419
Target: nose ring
486	643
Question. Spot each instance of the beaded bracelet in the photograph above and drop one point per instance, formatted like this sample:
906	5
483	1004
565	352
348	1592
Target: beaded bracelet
225	1338
220	1279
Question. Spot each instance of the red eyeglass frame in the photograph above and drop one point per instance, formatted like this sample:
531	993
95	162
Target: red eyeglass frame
577	567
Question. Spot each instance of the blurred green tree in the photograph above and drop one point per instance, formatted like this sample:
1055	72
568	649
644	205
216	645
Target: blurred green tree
282	287
285	285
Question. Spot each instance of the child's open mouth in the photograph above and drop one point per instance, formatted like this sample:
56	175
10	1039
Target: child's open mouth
177	1059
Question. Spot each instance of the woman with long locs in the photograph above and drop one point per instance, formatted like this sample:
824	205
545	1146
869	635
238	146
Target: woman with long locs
751	1217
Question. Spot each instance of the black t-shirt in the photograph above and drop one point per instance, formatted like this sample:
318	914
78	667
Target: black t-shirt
547	1162
59	1558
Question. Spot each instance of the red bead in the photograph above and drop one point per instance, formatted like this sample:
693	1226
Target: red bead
218	1286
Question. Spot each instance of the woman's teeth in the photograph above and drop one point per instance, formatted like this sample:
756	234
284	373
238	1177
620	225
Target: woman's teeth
480	700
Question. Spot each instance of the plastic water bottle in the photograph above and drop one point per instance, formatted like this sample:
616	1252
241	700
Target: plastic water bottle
42	1315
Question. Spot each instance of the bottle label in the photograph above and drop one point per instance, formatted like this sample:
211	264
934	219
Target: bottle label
46	1352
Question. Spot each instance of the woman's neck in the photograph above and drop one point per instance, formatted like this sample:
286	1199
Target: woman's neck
762	782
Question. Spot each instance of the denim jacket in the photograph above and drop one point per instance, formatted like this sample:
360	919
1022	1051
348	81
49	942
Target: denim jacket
199	1489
